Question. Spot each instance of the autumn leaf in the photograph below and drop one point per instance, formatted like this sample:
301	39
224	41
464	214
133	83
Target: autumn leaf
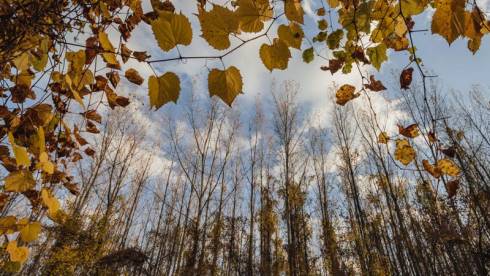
374	85
30	231
109	54
433	170
406	78
293	10
44	164
292	35
410	131
346	93
20	153
383	138
19	181
217	25
447	166
171	30
226	84
452	188
133	76
404	152
17	254
252	14
163	89
448	19
50	202
275	56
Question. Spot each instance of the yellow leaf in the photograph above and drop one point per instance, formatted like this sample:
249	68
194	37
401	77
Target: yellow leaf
448	19
333	3
226	84
74	91
30	231
44	164
217	25
163	89
252	14
172	29
292	35
346	93
412	7
20	153
109	54
404	152
294	11
40	60
275	56
17	254
383	138
51	202
447	166
19	181
21	62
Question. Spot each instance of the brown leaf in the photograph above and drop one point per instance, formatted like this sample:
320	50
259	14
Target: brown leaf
452	188
89	151
125	53
333	65
133	76
92	128
93	115
449	152
410	131
141	56
375	85
79	138
113	78
100	83
406	78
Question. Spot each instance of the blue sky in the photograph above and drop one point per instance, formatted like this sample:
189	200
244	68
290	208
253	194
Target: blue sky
457	68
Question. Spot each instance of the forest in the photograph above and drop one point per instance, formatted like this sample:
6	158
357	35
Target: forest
245	137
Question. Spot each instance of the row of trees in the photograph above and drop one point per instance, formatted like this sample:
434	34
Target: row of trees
276	195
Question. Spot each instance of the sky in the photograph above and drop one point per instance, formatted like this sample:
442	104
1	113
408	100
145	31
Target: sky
456	67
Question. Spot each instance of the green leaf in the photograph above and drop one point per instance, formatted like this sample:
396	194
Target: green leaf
308	55
377	55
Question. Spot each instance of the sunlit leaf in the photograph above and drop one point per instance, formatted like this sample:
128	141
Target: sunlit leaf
19	181
109	54
17	254
404	152
447	166
448	19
